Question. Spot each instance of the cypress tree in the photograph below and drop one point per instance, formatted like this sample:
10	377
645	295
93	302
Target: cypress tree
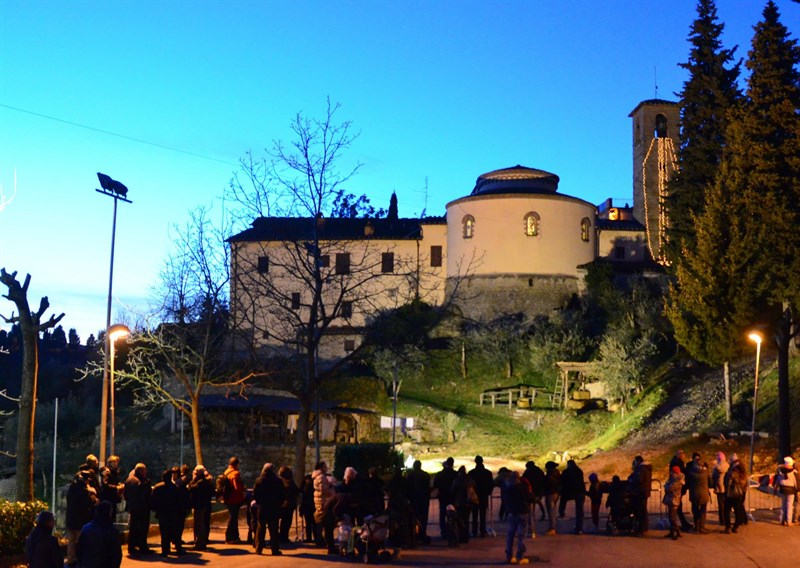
707	95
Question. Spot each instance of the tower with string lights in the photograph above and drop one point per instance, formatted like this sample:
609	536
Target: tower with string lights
655	144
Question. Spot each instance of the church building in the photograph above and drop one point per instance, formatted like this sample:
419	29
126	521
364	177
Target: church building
514	244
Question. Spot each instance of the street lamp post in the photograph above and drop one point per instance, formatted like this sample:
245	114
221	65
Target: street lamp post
757	338
117	190
115	332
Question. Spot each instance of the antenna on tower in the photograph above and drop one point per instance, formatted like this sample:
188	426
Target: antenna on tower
655	79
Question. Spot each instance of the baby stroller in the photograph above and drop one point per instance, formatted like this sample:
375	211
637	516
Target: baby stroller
372	537
621	518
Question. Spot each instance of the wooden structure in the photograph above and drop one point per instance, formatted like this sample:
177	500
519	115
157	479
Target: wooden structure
511	395
569	372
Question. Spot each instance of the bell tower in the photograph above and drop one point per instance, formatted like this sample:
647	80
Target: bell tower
655	144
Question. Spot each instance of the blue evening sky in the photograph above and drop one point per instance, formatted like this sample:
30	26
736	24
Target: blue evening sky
441	91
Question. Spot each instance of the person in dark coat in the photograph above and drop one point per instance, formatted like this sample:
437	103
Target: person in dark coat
270	494
639	483
672	497
307	508
462	490
679	460
735	490
181	478
41	547
81	499
552	484
201	492
137	503
167	503
289	505
518	505
573	488
484	485
111	484
100	545
373	502
535	477
419	493
698	479
442	484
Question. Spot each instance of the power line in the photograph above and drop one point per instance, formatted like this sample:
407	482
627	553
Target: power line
123	136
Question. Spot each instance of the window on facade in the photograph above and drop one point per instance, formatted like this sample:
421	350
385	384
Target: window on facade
436	256
347	310
585	229
263	264
469	226
349	345
295	300
342	263
265	334
324	260
619	253
532	224
387	262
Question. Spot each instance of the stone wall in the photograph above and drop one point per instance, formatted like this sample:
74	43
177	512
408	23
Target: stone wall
483	298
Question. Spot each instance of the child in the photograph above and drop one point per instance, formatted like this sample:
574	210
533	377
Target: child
345	532
454	525
595	498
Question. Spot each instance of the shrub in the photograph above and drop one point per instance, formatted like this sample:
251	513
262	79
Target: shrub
16	521
364	456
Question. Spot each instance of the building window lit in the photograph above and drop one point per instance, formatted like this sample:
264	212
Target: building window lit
469	226
436	256
532	221
585	224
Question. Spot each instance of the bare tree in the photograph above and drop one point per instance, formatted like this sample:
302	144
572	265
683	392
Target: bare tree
189	351
30	326
303	282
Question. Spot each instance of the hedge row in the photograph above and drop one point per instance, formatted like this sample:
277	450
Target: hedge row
16	522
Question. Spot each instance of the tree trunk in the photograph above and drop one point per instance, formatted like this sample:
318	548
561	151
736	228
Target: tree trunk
195	418
783	338
464	360
727	379
27	412
301	441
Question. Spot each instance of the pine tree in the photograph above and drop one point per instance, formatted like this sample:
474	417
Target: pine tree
707	95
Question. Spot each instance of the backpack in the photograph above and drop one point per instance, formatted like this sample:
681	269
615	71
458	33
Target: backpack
222	485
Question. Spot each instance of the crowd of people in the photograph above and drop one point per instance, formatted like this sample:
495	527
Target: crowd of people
325	510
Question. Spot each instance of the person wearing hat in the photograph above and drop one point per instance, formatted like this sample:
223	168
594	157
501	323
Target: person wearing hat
785	485
41	547
673	490
442	485
484	485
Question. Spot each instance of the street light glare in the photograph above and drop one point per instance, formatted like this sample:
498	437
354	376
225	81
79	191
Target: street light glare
756	337
118	330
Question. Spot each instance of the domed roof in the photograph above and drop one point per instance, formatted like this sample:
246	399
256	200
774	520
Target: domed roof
517	179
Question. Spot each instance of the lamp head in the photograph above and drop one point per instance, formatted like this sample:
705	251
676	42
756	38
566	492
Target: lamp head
756	337
118	330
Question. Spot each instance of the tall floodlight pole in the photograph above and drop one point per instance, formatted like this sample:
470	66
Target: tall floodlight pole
118	191
755	336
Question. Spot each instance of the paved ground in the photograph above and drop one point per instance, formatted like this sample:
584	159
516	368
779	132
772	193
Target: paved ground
763	543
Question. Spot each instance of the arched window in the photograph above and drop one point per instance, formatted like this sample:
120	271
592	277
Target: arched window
468	224
585	224
532	221
661	126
